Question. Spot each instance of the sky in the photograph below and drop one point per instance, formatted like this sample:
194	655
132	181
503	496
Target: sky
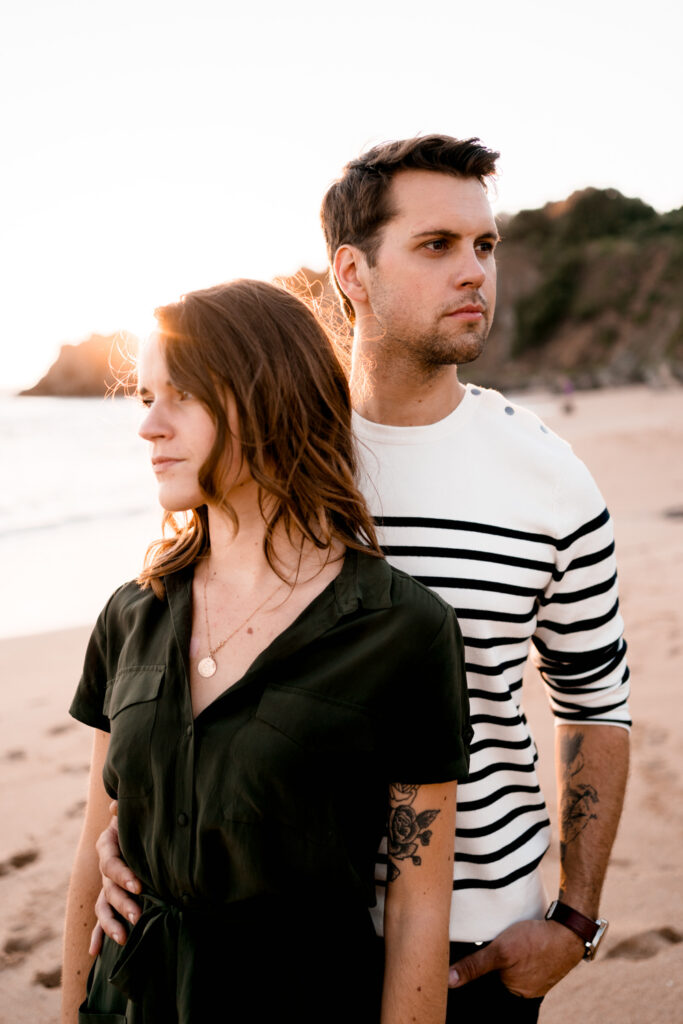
152	147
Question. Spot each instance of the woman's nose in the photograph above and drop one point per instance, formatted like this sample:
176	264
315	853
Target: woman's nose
154	424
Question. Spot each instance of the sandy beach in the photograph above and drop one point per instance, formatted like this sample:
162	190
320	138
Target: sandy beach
632	440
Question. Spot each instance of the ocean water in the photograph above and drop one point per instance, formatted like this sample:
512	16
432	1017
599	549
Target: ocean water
77	508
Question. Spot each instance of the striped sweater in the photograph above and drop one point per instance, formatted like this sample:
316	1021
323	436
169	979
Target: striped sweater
493	511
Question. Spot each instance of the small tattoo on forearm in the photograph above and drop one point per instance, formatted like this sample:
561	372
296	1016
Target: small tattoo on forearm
406	829
580	799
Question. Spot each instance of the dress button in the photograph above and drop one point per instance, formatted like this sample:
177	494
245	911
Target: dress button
185	897
188	731
182	819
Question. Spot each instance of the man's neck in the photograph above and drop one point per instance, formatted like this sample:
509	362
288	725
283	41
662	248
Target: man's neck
403	396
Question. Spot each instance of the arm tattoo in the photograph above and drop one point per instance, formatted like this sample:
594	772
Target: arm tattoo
406	828
580	798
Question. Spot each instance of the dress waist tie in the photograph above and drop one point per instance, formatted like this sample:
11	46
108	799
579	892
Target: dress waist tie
160	938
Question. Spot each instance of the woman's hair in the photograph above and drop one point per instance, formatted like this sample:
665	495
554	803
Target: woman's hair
267	348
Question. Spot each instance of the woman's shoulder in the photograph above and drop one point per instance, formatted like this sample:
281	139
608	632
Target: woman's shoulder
128	603
404	594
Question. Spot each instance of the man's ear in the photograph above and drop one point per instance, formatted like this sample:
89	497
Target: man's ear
350	267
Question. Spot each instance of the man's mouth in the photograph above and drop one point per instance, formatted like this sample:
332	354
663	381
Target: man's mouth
469	312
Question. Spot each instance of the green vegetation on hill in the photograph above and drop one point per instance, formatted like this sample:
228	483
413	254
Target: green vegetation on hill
593	290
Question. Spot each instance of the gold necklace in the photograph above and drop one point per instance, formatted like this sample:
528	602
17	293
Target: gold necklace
207	666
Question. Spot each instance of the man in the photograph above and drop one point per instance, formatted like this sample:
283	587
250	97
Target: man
477	499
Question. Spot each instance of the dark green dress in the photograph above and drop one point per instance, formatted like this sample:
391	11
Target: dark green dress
254	827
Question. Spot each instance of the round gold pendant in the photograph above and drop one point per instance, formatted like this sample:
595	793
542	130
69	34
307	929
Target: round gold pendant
207	667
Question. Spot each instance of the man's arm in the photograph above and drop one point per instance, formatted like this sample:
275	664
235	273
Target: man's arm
117	882
532	956
581	658
592	766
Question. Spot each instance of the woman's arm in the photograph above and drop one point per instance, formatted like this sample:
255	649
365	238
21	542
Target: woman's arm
83	888
418	902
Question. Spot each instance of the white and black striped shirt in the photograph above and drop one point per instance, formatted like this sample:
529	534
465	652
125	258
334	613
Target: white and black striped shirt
494	512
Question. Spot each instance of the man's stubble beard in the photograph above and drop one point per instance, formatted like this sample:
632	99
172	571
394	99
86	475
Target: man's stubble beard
452	352
429	348
430	351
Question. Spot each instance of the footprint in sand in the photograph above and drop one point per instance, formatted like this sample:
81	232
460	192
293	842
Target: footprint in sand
48	979
645	944
74	769
57	730
620	862
14	755
15	949
76	810
18	860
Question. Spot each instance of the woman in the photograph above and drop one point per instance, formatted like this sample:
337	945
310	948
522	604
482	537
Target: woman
264	693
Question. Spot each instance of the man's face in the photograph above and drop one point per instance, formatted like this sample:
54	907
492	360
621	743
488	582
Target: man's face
432	289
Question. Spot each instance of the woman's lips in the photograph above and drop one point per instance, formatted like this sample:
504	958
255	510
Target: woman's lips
161	463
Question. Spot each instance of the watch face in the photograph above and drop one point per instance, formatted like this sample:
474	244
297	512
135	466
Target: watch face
592	947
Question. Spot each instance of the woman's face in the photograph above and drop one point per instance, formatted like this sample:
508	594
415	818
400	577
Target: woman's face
179	428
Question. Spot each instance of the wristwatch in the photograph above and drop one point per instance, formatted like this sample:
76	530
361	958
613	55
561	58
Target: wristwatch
585	927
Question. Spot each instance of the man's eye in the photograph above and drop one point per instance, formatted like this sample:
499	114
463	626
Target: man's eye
437	245
486	247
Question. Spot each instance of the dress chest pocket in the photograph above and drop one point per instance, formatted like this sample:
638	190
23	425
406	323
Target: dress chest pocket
294	759
321	725
131	703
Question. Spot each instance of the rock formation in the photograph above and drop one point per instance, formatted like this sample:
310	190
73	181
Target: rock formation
93	368
590	292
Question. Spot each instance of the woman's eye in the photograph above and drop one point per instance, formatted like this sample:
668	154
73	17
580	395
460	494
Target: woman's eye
146	401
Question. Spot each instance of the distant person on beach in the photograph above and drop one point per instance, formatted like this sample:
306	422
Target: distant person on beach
265	695
477	499
568	396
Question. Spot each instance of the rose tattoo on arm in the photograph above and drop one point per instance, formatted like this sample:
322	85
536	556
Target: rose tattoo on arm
407	830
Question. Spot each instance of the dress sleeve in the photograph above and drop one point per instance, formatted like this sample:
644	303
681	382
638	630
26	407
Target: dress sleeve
580	648
428	723
88	702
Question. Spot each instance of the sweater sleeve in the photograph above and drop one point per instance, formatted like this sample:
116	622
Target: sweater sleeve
580	648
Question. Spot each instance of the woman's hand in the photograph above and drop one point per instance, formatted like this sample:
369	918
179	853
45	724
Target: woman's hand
418	899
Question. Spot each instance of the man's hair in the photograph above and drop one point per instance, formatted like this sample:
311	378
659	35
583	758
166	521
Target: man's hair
357	206
267	348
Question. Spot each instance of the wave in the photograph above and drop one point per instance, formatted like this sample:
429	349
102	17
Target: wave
75	520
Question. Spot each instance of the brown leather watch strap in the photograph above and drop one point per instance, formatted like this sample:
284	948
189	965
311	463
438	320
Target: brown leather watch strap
585	927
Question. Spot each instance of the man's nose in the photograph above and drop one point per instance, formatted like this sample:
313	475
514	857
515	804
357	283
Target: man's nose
470	271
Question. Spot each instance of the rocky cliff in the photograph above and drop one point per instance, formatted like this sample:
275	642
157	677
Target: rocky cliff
93	368
590	290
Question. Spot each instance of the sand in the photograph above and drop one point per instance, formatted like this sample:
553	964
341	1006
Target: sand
632	439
